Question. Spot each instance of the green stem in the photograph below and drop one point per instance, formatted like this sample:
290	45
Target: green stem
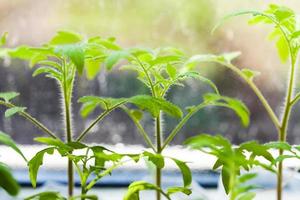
98	119
257	92
67	95
159	150
31	119
181	124
142	131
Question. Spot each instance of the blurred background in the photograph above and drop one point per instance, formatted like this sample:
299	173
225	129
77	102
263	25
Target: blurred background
184	24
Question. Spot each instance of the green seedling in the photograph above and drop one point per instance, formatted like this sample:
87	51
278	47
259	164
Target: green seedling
159	70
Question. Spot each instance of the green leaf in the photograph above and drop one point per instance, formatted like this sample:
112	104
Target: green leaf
157	159
257	150
35	163
138	115
46	196
236	105
155	105
65	37
6	139
144	102
135	188
172	71
114	58
101	157
250	74
205	140
62	147
217	164
86	197
246	177
74	52
283	49
7	181
92	68
247	196
185	171
225	173
14	110
7	96
183	190
76	145
197	75
3	39
54	73
279	145
106	103
22	52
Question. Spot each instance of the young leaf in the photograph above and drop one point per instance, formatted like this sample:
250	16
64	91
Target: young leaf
279	145
22	52
46	196
114	58
197	75
54	73
205	140
172	71
183	190
3	39
12	111
92	68
246	177
156	159
257	150
35	163
225	173
155	105
65	37
250	74
247	196
236	105
135	188
185	171
7	96
54	142
74	52
6	140
7	181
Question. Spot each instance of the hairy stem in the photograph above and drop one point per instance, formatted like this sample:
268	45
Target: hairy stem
31	119
67	88
159	150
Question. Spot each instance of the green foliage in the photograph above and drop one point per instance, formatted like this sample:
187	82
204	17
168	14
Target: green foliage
12	111
7	181
135	188
232	160
144	102
6	140
3	39
237	106
7	96
35	163
45	196
65	50
157	159
185	171
285	28
65	37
